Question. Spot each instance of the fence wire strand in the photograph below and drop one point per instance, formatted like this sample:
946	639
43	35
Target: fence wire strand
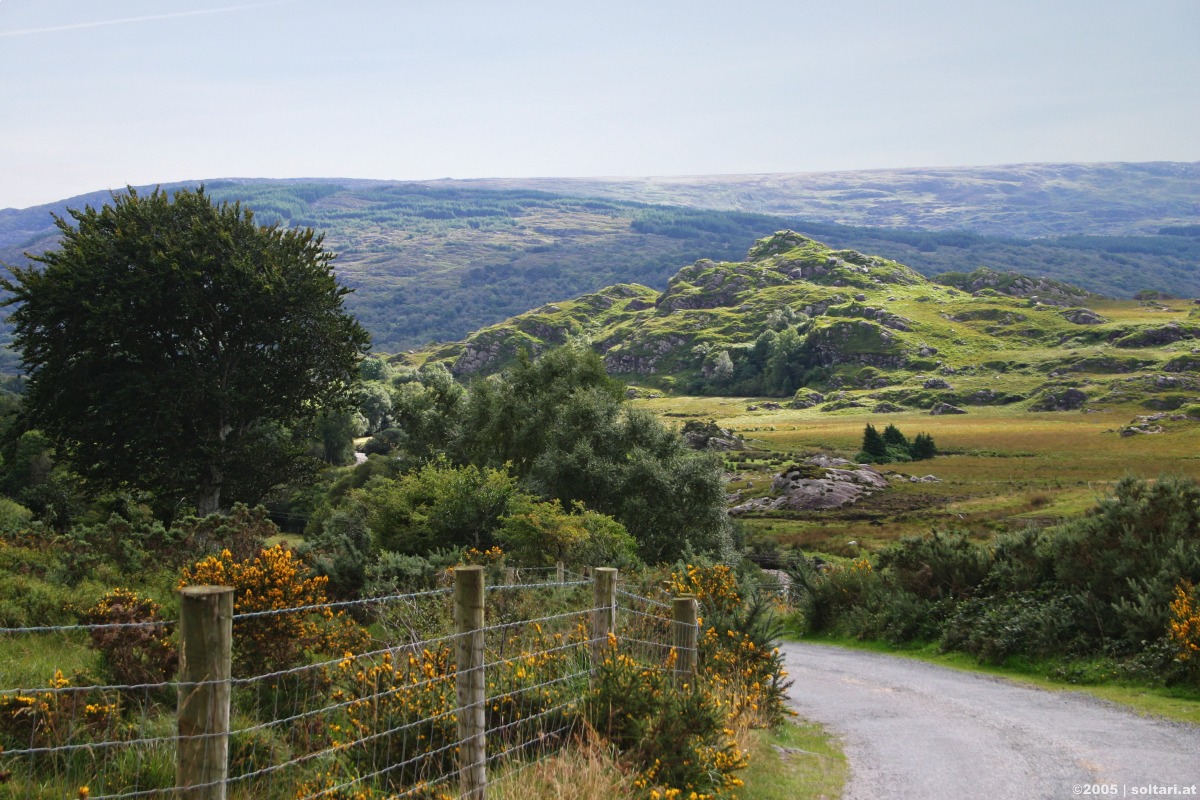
381	718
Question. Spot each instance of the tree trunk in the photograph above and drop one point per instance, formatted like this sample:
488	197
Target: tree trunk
208	497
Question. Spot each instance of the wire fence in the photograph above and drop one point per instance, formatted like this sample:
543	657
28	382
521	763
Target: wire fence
383	719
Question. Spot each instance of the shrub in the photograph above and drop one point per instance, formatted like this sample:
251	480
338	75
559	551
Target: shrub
542	534
1127	557
941	565
243	532
676	736
132	655
398	711
1025	623
53	718
14	517
131	540
715	587
437	506
825	598
275	580
341	552
1184	629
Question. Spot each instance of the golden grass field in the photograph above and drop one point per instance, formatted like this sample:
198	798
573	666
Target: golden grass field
1003	467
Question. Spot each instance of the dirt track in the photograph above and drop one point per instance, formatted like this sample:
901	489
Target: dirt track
915	731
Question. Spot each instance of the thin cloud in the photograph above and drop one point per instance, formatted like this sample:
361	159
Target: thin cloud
124	20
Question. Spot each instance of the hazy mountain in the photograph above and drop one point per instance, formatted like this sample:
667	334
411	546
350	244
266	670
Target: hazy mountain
436	261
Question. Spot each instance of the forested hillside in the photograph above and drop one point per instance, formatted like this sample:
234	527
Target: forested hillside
435	262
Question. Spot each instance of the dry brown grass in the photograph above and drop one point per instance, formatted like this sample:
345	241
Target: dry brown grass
1004	467
584	770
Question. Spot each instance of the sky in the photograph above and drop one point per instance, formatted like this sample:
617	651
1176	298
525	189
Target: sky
98	94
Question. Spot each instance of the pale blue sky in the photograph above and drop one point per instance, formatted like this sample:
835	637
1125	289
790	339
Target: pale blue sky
97	94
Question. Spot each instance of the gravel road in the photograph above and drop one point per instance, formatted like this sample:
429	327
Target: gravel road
916	731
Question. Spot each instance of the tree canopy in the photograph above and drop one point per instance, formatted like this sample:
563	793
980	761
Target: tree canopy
562	426
172	343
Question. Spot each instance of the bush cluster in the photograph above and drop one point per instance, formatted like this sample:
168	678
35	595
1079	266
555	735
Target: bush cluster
1114	583
892	445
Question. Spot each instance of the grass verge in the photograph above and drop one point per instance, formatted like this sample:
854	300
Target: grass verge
798	760
1173	703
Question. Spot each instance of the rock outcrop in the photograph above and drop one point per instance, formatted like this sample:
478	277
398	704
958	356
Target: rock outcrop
1064	399
817	483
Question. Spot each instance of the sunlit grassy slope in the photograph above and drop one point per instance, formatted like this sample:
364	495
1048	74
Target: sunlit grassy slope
1002	467
1039	396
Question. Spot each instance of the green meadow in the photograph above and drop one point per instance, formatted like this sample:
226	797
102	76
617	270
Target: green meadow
999	467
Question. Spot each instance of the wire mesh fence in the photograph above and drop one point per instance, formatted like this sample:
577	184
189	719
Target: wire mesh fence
380	719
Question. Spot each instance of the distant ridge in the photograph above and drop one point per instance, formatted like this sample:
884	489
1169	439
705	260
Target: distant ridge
437	260
1022	200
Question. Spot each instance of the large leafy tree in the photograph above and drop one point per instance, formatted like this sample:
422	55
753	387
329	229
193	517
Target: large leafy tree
563	427
172	343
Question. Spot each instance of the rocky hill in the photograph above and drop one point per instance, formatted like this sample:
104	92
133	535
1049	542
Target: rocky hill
818	326
438	261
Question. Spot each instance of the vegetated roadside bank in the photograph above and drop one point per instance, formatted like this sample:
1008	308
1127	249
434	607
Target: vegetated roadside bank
798	760
1107	598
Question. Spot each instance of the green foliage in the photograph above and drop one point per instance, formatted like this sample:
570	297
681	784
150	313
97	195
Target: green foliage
673	735
1038	624
922	447
426	408
14	517
336	430
165	335
874	448
341	551
1126	558
1102	584
542	534
562	426
436	506
943	565
392	573
892	446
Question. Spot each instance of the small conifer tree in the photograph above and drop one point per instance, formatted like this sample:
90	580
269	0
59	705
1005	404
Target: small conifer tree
922	447
898	448
874	448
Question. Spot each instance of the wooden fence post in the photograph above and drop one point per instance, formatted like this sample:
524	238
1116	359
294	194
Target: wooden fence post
205	654
604	613
469	681
686	637
560	573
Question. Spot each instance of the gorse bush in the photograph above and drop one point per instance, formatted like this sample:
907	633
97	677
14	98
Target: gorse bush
1125	558
941	565
1184	631
399	713
136	654
737	643
1109	583
52	718
272	581
676	735
1030	623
